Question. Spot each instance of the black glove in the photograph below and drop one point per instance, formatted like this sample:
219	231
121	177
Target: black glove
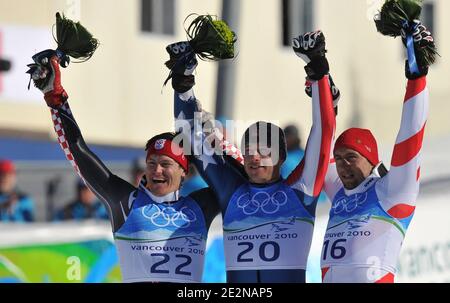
311	48
182	83
182	64
422	39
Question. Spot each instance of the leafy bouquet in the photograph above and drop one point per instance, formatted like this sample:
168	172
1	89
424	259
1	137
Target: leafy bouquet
73	40
211	38
208	38
399	18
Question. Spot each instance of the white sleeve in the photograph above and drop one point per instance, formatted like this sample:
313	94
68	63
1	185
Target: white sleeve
399	189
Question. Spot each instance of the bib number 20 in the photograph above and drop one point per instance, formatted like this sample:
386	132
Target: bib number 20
268	251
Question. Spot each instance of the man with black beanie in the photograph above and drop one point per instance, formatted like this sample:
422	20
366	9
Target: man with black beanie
267	221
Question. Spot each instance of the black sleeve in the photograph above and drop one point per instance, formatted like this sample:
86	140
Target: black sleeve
208	202
112	190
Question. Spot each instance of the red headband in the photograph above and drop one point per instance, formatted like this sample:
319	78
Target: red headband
166	148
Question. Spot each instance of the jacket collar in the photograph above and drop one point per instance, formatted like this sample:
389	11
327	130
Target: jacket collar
366	184
170	197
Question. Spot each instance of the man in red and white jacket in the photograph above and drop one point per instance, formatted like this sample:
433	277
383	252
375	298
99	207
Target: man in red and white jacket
371	207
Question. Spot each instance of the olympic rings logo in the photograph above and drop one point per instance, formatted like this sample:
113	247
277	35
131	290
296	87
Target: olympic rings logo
268	204
349	204
169	216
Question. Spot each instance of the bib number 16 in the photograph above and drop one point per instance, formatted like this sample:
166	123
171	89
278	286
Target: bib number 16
337	249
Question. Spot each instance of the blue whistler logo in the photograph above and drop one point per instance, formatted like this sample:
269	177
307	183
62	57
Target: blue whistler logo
358	222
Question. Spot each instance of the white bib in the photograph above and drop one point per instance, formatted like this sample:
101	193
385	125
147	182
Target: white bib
162	242
266	228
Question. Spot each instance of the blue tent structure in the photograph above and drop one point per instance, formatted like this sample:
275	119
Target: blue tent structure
21	149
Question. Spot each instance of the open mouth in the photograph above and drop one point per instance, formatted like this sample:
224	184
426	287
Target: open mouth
158	181
255	166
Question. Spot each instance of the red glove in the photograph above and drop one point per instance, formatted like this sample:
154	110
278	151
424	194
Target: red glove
46	76
54	93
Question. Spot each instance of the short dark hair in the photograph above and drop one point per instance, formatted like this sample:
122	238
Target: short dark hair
270	130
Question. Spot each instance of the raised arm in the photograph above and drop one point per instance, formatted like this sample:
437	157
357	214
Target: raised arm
332	183
209	159
308	177
112	190
189	117
399	189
